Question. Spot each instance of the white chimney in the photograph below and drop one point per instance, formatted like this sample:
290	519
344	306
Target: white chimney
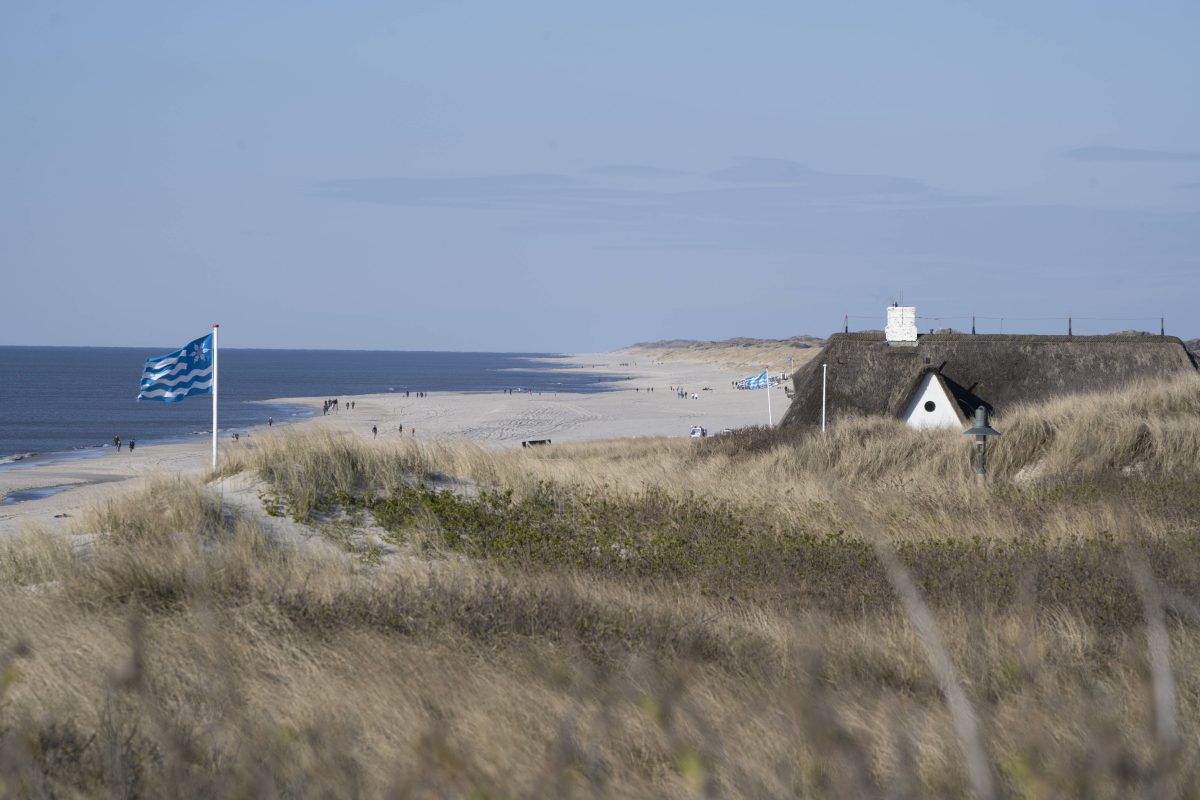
901	325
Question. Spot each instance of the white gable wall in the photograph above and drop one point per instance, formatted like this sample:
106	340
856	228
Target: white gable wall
942	414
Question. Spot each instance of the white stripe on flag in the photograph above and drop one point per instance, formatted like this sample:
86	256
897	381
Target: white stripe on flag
170	393
196	373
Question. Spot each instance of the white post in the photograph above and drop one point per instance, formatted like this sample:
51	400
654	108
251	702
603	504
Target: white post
770	419
214	396
824	372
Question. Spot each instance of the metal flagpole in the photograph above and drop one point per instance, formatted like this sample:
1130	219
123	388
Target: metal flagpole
214	395
824	372
770	419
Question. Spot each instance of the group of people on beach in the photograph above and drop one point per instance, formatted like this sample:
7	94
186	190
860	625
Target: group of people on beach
375	431
329	404
333	405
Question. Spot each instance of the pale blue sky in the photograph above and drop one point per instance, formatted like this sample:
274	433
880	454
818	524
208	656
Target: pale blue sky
570	176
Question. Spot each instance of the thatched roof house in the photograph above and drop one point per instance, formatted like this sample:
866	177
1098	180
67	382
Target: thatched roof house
939	379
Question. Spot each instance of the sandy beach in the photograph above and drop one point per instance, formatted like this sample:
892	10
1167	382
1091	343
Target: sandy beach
643	405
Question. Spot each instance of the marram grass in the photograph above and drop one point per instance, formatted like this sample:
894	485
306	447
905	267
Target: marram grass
647	618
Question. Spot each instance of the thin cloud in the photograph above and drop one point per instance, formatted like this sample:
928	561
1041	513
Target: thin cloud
635	171
777	171
768	205
753	182
814	214
1105	153
478	192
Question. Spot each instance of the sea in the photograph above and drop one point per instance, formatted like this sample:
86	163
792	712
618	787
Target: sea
74	400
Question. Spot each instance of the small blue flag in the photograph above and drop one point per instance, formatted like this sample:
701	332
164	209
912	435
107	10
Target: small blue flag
183	373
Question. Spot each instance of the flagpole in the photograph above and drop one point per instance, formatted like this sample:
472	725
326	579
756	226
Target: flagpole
824	377
770	419
214	396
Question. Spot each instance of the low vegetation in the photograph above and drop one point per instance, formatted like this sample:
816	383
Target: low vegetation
767	613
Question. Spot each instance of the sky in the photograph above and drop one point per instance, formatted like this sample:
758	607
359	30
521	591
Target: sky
567	177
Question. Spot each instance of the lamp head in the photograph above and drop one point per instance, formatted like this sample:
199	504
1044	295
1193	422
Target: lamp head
981	427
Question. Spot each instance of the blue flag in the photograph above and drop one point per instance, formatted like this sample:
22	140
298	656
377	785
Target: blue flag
183	373
758	381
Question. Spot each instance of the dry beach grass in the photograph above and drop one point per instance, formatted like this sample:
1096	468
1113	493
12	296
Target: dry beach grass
763	614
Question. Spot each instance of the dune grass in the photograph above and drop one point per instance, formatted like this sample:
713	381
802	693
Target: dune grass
767	614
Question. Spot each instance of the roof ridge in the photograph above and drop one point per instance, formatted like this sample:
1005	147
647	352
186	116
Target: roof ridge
1149	338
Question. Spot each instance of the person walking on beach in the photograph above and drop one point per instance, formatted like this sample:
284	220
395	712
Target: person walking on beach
132	442
117	442
374	432
270	421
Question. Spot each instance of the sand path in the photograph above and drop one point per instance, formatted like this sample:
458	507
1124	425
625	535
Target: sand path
492	419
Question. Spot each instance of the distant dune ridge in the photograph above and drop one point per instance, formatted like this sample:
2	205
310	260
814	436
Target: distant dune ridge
801	341
740	352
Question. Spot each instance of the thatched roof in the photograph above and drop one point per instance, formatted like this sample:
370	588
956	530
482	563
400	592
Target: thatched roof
867	376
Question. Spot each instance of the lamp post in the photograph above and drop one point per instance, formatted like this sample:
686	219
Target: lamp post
981	431
824	388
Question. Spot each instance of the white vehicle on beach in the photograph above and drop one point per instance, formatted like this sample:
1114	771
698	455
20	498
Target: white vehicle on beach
698	432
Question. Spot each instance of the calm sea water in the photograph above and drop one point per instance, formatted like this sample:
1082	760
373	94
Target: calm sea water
62	399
